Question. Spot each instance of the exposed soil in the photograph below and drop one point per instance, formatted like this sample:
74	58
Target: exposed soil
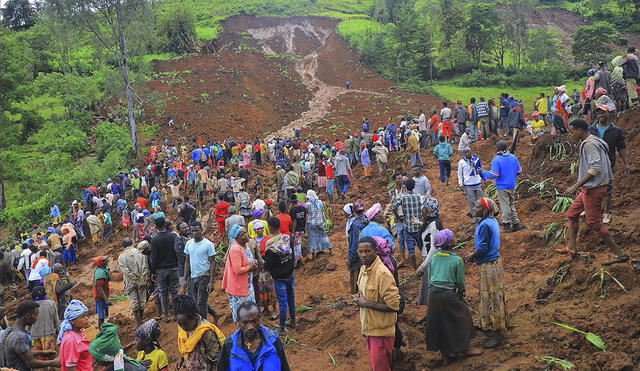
277	96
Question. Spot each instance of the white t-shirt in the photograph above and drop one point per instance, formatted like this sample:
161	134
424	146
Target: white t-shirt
445	114
34	275
422	122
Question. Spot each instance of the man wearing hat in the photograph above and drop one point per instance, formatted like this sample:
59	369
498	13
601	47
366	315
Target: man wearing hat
133	264
101	278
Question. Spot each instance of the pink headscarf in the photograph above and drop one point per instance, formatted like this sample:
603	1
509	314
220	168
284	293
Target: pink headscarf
373	211
384	251
444	238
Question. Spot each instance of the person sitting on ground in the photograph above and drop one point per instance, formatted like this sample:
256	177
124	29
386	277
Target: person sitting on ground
449	327
253	346
17	350
147	343
74	345
199	342
107	351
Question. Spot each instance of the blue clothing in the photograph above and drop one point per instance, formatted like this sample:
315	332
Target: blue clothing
172	173
601	131
266	359
365	126
102	309
364	157
286	292
199	254
443	151
357	225
195	155
376	230
207	151
115	189
487	240
505	170
505	107
55	211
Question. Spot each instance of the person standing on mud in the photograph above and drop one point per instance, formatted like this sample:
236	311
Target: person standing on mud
342	171
133	264
379	301
505	169
200	269
492	308
594	174
164	265
614	137
408	205
422	128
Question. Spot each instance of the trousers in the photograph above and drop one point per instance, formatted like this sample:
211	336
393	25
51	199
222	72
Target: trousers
167	284
507	200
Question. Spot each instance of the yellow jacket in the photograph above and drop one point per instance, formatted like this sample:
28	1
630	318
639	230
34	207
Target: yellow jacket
376	283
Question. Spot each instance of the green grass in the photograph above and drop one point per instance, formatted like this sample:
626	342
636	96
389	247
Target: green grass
358	32
46	105
206	33
528	95
159	57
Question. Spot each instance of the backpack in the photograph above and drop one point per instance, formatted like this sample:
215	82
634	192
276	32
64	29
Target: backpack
245	208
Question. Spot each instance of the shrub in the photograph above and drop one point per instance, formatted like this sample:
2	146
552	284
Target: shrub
481	78
112	137
49	138
178	30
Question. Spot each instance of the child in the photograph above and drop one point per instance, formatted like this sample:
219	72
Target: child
101	277
148	346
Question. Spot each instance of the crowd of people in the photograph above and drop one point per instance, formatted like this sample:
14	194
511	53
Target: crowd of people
263	228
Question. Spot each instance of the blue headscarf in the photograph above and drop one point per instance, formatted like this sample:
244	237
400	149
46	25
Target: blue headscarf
75	310
235	231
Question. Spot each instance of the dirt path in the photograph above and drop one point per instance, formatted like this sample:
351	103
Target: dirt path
307	67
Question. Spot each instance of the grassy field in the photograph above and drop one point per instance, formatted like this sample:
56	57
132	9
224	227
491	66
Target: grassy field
528	95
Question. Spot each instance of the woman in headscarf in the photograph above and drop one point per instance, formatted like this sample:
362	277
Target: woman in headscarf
69	254
318	240
366	161
238	270
74	346
492	309
375	227
108	352
257	216
618	86
199	342
266	292
95	226
46	327
588	93
431	224
449	327
147	342
57	284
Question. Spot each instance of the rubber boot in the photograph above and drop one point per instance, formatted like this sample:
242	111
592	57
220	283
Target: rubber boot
137	317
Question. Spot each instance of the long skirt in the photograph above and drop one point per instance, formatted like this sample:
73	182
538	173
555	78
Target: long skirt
266	290
44	343
449	326
235	301
107	233
69	255
322	182
318	239
423	295
492	309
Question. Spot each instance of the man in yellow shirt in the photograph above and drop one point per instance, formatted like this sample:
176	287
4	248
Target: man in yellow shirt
379	301
543	107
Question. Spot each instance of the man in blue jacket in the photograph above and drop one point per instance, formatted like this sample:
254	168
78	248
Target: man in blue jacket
505	169
253	346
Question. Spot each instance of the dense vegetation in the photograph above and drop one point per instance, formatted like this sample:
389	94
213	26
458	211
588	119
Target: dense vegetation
71	70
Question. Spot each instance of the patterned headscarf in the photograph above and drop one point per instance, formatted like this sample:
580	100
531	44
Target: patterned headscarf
150	331
373	211
234	232
432	206
384	250
75	310
488	205
444	238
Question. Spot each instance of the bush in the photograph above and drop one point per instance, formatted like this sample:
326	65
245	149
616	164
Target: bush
177	29
479	78
111	138
49	138
540	75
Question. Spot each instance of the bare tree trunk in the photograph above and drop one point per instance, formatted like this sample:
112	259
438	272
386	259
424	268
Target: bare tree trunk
124	66
3	202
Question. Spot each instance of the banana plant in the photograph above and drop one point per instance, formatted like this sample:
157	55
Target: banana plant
551	361
554	232
593	338
562	204
602	274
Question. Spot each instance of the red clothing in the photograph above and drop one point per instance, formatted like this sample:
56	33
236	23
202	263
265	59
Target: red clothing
256	148
380	349
74	352
95	190
375	137
142	201
590	201
435	122
285	223
104	283
447	129
329	171
221	210
235	280
339	145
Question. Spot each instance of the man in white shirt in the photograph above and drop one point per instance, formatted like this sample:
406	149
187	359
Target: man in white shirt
422	185
34	275
465	141
258	204
470	178
445	112
422	128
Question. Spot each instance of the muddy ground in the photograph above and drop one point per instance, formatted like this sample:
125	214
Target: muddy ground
302	86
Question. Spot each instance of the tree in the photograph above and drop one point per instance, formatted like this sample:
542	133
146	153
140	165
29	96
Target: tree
515	17
384	11
544	46
591	43
480	25
502	42
178	29
112	22
449	17
18	15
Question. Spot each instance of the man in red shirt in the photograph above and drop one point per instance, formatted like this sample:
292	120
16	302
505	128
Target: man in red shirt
101	279
221	212
285	219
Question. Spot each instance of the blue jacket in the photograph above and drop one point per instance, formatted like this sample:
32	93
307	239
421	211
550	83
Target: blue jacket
238	359
505	170
357	225
487	239
376	230
443	151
